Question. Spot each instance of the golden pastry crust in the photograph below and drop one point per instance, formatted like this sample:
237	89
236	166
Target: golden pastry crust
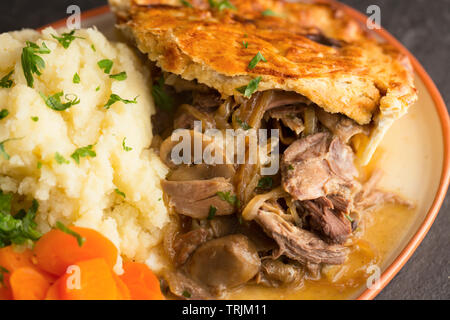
206	44
311	48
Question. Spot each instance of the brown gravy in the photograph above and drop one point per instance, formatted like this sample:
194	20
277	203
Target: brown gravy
384	230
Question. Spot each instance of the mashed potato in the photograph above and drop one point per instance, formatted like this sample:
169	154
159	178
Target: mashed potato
118	191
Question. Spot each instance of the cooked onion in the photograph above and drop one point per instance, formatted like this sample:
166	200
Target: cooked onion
223	113
310	121
251	112
293	210
251	209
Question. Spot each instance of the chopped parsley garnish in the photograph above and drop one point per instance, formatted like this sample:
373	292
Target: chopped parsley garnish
244	125
2	277
349	218
35	119
83	152
228	197
119	76
5	202
290	167
249	89
269	13
60	159
76	78
186	294
3	113
66	38
17	228
113	98
54	101
186	3
97	89
221	5
39	164
212	212
162	99
259	57
63	228
245	44
93	48
5	82
265	183
105	65
31	62
120	193
3	152
125	147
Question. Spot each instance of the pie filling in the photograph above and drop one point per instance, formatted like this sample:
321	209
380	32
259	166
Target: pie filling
234	226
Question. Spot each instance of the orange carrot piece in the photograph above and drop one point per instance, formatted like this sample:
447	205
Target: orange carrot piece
11	259
123	291
53	291
141	281
95	280
57	250
28	284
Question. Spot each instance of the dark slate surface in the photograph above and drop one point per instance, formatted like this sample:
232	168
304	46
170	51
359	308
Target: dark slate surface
423	26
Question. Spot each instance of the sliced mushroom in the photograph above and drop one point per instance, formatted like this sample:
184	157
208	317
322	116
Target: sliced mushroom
224	263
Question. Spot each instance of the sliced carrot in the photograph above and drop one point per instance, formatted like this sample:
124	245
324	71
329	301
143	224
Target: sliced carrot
141	281
53	291
11	260
123	291
28	284
57	250
91	280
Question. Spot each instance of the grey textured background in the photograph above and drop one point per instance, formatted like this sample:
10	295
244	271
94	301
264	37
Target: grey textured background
423	26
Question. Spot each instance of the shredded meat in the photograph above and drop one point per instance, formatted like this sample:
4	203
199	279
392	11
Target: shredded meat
371	198
195	198
299	244
331	224
314	167
341	204
341	126
289	116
